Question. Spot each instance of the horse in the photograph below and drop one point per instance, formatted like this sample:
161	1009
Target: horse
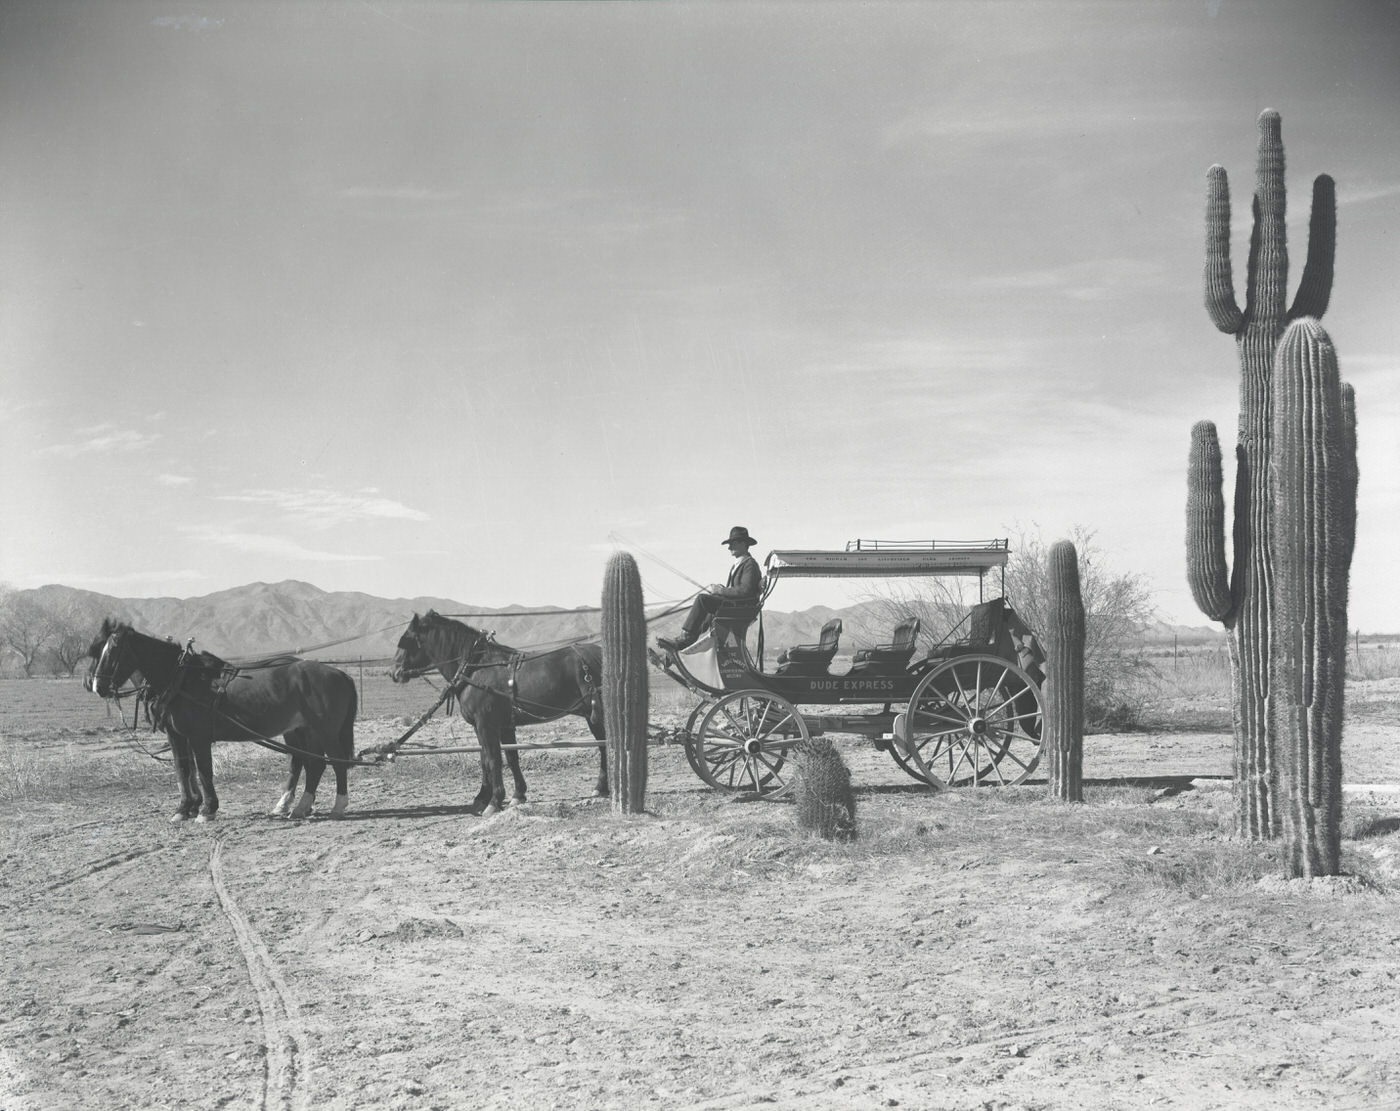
197	698
499	687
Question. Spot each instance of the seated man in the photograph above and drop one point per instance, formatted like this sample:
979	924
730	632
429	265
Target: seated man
744	583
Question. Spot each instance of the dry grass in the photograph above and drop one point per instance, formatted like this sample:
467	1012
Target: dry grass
33	770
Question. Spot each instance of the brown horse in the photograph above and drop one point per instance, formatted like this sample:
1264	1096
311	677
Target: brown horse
499	687
197	699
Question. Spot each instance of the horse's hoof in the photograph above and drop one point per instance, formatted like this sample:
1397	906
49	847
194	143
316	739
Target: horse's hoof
342	804
206	817
179	816
490	811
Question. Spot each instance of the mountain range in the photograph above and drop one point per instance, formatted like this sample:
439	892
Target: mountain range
266	618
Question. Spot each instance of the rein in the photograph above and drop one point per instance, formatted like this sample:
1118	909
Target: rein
158	703
515	658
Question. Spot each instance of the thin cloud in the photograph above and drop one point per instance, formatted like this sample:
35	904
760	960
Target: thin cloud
196	23
84	580
101	438
1011	121
173	479
923	354
414	194
1092	280
327	508
279	547
1362	194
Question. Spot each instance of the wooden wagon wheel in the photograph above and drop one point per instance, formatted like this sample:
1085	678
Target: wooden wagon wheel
692	754
743	741
972	720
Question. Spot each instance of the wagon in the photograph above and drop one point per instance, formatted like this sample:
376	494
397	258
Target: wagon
967	711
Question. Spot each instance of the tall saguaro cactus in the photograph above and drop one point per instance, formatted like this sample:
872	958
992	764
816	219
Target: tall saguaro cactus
1240	599
1312	498
625	693
1064	675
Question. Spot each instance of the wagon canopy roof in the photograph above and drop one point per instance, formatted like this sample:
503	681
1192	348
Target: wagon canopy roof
892	558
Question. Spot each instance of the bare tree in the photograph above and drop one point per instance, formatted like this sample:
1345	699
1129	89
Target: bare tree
1116	608
73	629
26	627
941	605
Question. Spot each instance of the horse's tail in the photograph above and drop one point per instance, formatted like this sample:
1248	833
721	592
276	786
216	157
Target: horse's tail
347	725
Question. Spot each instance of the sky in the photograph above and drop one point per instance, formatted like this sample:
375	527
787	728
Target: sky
457	299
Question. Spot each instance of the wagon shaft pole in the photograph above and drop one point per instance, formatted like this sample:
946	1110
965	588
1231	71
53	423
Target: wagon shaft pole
387	751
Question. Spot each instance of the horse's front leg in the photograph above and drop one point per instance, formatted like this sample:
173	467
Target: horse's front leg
204	763
184	777
492	797
283	806
513	761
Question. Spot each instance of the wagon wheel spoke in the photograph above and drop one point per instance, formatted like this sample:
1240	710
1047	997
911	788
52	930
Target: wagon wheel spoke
725	764
773	766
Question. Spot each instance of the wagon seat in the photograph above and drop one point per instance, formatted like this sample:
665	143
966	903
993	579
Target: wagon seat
811	659
996	629
891	658
730	625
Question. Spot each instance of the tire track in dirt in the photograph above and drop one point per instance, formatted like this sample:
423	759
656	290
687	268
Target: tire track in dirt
93	867
287	1060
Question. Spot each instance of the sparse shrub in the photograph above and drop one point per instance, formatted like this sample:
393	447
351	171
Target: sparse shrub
1120	716
1117	607
822	790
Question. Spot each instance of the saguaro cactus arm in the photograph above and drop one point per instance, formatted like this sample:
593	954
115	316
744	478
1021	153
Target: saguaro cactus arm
1224	310
1353	474
1315	286
1206	570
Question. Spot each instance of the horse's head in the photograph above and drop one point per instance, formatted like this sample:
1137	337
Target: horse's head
95	649
411	657
112	661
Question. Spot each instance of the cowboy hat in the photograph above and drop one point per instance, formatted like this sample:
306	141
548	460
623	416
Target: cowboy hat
739	534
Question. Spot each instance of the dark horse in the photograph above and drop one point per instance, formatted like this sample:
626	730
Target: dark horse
499	687
197	699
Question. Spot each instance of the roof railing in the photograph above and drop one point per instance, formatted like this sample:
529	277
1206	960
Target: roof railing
927	545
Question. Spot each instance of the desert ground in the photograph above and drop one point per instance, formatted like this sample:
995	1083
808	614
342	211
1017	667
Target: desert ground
973	949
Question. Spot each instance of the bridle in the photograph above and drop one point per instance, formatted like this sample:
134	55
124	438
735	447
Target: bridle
101	672
103	669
